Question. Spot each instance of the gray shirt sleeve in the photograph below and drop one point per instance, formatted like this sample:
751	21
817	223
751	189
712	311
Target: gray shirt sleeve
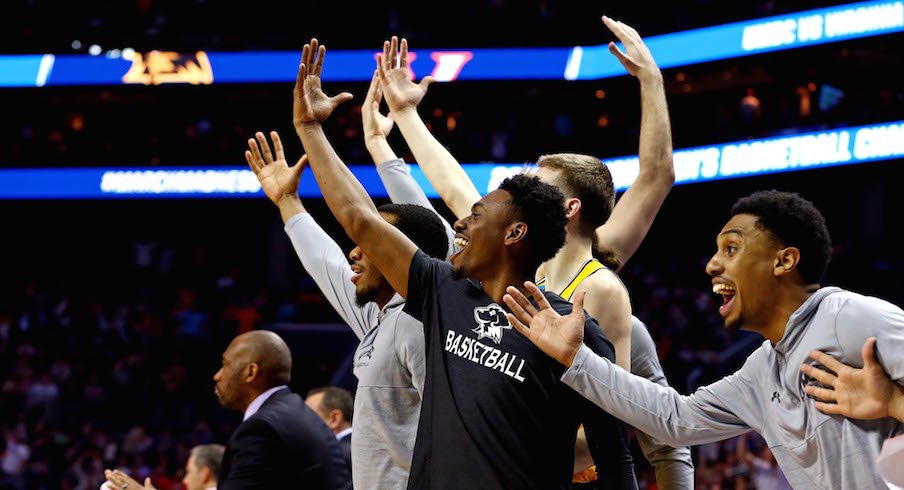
674	466
409	339
327	265
403	189
721	410
862	317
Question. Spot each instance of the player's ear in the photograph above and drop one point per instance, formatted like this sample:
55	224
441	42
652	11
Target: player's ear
515	232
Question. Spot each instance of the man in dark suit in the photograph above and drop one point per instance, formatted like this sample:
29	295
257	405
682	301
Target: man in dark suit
280	442
336	407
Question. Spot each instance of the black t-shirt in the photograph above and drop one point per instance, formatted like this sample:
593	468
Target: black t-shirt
495	414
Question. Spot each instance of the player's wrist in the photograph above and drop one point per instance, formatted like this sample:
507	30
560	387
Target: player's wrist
651	76
896	405
405	111
288	199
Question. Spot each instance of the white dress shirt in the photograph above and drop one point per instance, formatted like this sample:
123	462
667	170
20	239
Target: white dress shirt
256	404
343	433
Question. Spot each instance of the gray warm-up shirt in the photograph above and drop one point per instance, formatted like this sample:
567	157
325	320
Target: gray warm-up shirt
402	189
389	363
674	466
814	450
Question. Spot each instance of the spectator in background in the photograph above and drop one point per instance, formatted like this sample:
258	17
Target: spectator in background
336	407
202	471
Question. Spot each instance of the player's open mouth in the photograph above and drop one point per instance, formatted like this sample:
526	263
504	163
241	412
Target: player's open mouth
461	243
728	294
358	270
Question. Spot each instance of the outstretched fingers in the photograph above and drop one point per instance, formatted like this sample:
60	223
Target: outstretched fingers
277	146
265	147
403	55
318	63
524	329
301	164
577	303
394	52
256	159
538	295
518	303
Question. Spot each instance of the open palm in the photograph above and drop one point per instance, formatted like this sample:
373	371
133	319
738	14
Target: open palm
311	105
376	125
277	179
400	91
558	336
636	58
857	393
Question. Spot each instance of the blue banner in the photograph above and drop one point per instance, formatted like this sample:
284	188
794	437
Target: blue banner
842	22
820	149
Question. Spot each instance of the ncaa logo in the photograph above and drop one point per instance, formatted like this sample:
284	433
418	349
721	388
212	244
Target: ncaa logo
491	322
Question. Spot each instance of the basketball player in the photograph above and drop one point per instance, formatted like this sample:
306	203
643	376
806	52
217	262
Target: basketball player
491	400
389	361
770	258
589	204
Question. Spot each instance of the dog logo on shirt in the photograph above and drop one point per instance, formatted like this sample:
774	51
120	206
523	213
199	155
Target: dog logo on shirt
491	322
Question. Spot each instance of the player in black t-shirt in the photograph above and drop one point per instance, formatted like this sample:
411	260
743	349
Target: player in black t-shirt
494	413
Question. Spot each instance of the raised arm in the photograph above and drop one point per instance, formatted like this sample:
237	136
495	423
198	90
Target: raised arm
389	249
393	171
319	254
403	95
634	213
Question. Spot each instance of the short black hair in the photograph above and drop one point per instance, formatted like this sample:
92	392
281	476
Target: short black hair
335	398
422	226
209	456
539	205
795	222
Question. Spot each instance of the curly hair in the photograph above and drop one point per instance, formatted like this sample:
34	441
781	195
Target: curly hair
539	205
422	226
795	222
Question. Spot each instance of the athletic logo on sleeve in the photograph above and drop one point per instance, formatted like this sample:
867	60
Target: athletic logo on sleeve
491	322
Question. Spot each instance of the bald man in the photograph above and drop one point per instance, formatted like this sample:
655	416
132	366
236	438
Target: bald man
280	443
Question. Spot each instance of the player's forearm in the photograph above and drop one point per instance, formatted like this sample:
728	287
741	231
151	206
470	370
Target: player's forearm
441	168
379	149
635	211
290	205
656	410
342	192
655	152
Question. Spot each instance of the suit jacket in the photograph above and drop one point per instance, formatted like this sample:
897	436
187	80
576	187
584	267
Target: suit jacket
345	446
283	445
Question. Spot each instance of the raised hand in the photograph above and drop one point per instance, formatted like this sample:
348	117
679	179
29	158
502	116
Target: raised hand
636	58
392	66
560	337
277	179
376	125
866	393
311	104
